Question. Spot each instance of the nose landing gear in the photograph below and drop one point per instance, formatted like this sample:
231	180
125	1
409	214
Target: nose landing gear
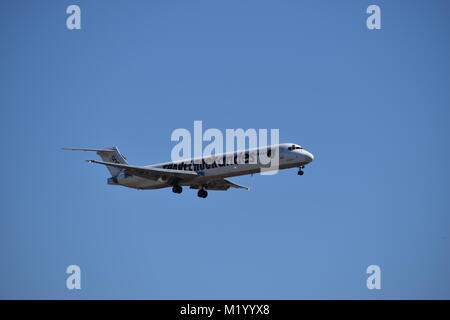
300	171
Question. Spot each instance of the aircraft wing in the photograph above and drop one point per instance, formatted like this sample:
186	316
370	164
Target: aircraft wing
151	173
219	184
198	181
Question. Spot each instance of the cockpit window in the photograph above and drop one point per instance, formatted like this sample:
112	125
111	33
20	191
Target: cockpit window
293	147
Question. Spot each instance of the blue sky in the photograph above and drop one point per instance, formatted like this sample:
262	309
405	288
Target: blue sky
373	107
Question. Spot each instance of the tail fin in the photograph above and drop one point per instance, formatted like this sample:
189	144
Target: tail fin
111	154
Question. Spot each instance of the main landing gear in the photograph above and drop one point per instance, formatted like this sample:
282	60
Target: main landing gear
177	189
300	171
202	193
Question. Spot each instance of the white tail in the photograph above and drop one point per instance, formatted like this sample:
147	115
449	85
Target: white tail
111	154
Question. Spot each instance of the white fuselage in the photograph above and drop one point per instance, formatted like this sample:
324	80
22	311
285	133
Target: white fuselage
225	165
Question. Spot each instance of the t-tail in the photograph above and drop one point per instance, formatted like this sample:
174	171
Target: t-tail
111	154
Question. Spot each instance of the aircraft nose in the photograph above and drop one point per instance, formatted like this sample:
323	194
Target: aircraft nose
309	156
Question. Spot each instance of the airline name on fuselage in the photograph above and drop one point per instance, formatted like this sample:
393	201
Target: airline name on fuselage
219	161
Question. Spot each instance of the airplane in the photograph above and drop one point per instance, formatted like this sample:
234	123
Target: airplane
208	173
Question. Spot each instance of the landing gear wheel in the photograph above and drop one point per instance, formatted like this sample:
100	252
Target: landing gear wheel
202	193
300	172
177	189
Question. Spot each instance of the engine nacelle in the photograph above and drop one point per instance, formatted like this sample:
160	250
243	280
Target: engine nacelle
121	178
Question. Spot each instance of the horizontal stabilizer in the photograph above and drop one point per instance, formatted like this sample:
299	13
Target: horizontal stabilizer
83	149
111	154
